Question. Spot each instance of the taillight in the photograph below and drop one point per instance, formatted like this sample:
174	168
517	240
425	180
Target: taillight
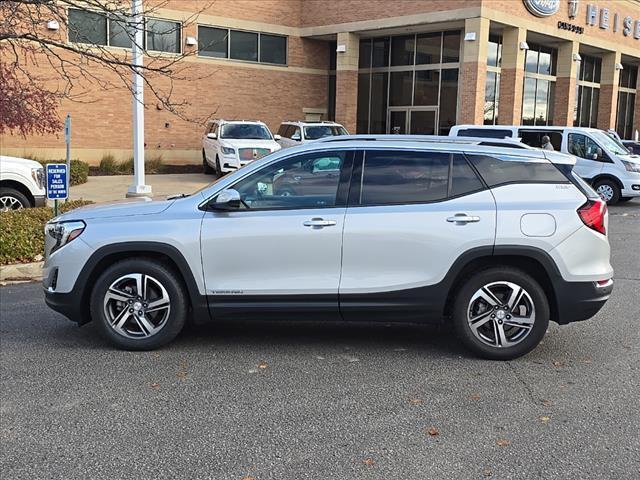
592	215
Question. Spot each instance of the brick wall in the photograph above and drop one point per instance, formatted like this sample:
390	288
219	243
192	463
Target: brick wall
473	77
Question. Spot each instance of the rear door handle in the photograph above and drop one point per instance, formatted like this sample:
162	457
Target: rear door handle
319	223
463	218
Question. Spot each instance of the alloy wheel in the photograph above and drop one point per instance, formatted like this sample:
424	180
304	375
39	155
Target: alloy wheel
137	306
9	203
501	314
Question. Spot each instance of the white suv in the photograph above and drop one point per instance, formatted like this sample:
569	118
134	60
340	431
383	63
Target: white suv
494	240
228	145
21	183
295	133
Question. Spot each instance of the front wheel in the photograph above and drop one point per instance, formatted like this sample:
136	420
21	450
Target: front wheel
608	191
501	313
11	199
139	304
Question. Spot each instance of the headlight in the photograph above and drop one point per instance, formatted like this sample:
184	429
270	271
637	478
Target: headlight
631	167
63	233
228	151
38	176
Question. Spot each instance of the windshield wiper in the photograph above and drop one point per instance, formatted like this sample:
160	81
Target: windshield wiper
177	195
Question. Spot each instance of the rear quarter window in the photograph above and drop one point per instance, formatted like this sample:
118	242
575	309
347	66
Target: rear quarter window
501	170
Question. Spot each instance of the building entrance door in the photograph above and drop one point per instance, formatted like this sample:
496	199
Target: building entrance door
413	121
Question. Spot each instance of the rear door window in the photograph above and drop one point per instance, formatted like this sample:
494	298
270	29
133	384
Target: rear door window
533	138
505	169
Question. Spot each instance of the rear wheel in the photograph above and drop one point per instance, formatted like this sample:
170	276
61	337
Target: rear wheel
139	304
205	165
608	190
11	199
501	313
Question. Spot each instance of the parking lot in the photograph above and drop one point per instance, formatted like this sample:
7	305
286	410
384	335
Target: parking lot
296	401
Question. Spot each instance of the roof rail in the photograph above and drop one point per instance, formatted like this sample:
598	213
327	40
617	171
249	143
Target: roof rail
496	142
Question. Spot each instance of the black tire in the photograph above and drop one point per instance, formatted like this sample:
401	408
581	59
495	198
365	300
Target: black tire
14	195
205	165
218	168
462	304
171	282
615	190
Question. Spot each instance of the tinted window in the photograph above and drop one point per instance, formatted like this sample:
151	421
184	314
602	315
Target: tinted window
463	179
273	49
87	27
497	171
212	42
320	131
534	138
245	130
243	46
163	36
393	177
304	181
484	133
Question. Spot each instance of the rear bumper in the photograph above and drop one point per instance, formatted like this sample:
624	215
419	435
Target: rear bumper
579	301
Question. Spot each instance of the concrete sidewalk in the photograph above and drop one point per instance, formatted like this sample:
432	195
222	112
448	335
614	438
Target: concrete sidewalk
110	188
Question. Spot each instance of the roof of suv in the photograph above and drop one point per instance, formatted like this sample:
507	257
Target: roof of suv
302	123
221	120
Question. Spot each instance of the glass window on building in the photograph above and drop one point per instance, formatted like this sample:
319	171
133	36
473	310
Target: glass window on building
494	51
163	36
362	121
492	85
426	87
402	50
588	92
87	27
378	119
627	91
539	85
213	42
243	46
380	52
448	99
428	48
273	49
121	34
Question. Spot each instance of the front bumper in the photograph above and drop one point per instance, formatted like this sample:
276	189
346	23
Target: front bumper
579	301
68	304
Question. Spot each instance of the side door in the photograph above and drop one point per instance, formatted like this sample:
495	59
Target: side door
588	164
410	216
277	255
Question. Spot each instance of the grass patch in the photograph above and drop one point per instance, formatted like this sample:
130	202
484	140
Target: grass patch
22	232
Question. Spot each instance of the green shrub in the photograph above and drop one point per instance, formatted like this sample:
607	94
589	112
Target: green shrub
22	232
79	169
108	164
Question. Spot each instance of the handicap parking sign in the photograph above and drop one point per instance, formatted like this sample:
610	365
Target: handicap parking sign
57	181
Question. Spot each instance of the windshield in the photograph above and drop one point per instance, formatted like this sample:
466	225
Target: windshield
247	131
610	144
321	131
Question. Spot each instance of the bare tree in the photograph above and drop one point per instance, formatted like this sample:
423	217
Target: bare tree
66	49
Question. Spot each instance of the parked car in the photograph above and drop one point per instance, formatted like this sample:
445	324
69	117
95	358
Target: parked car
294	133
602	160
494	240
230	144
632	146
22	184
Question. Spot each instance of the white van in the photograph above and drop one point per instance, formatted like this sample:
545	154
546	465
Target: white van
603	161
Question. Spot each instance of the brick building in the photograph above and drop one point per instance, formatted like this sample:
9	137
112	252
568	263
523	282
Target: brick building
415	66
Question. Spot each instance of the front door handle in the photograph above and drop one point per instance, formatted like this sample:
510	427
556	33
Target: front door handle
463	219
319	223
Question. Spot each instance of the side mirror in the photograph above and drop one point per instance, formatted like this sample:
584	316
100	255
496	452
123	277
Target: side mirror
277	137
594	156
228	199
212	135
296	136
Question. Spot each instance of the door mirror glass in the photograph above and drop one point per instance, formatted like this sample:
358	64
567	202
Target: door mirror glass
212	135
228	199
277	137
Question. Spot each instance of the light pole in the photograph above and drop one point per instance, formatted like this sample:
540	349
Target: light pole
138	188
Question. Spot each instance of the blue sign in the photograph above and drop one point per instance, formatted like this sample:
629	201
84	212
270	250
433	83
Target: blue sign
542	8
57	181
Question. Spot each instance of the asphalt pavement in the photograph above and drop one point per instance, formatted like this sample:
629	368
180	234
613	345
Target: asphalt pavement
312	401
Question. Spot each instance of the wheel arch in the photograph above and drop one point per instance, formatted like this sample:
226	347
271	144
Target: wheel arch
607	176
20	187
531	260
105	256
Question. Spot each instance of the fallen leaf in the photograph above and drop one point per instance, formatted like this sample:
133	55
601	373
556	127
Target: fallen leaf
181	375
474	396
545	419
433	432
155	385
415	401
557	364
487	473
503	443
262	365
368	461
587	361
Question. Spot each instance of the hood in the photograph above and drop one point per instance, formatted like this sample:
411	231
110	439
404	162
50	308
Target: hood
13	163
249	143
120	208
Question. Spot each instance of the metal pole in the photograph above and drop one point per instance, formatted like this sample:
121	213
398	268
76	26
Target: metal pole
138	188
67	139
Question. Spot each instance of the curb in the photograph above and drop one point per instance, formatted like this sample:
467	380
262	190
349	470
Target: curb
21	272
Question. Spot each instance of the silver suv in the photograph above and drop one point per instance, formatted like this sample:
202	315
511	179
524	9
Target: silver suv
495	240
